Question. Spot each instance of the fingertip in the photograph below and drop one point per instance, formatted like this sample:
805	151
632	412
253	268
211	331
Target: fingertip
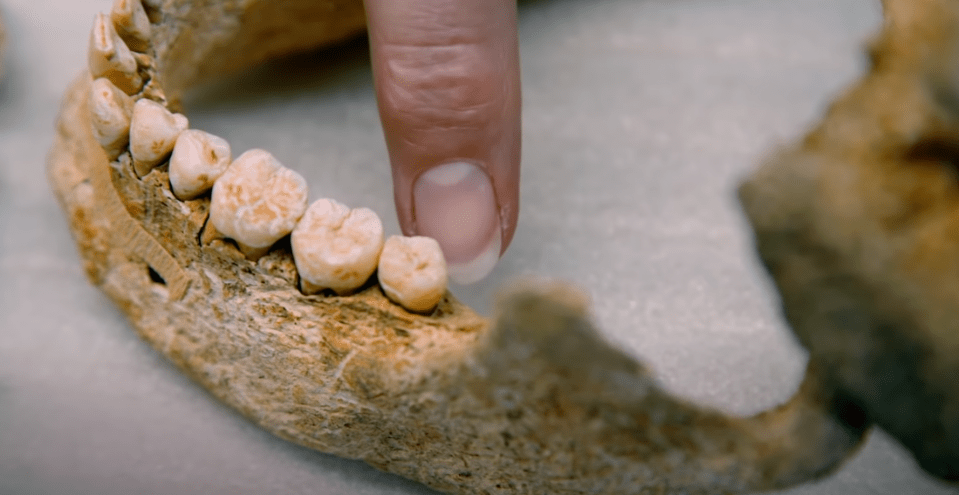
447	84
455	204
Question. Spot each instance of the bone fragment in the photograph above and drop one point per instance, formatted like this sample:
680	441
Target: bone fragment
537	402
858	225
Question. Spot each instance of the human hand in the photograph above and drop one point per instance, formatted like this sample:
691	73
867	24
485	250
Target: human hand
448	88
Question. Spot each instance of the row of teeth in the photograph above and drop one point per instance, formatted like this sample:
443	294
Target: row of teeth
255	200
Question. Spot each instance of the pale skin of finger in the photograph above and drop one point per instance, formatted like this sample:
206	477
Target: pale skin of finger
448	88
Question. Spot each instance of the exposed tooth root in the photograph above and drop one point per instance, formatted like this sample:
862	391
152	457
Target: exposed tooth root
109	57
110	111
199	159
257	201
131	23
153	133
412	272
335	247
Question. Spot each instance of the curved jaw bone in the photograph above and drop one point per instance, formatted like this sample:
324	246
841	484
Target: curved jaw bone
857	224
536	402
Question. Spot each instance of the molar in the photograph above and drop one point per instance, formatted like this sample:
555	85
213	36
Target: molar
335	247
257	201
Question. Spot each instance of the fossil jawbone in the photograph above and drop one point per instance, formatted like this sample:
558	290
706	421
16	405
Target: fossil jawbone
858	224
853	223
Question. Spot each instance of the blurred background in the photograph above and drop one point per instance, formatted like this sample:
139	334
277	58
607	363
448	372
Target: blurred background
640	118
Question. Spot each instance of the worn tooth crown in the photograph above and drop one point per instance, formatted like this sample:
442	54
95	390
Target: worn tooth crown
257	201
153	133
412	272
131	23
335	247
108	56
198	160
110	111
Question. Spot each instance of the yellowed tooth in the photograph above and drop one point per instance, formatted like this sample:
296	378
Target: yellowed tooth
336	247
153	133
108	56
131	23
412	272
198	160
110	111
257	201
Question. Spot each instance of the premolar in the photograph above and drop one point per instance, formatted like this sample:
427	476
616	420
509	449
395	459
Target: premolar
199	159
153	133
412	272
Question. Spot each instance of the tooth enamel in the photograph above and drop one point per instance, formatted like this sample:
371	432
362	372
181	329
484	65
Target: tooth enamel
335	247
257	201
412	272
131	23
109	57
110	111
198	160
153	133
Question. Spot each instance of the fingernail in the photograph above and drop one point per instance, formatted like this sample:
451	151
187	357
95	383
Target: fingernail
454	204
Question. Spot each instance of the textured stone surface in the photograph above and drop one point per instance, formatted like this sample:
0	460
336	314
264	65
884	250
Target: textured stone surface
858	223
536	403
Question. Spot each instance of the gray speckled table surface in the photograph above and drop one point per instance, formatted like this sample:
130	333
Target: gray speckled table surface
640	117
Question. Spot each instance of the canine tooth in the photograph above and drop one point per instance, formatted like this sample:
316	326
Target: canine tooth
412	272
131	23
257	201
153	133
109	57
110	111
335	247
198	160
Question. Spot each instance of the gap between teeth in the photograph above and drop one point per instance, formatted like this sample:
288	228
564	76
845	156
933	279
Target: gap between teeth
255	200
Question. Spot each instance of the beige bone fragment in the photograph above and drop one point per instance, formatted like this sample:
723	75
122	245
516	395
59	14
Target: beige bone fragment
536	401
